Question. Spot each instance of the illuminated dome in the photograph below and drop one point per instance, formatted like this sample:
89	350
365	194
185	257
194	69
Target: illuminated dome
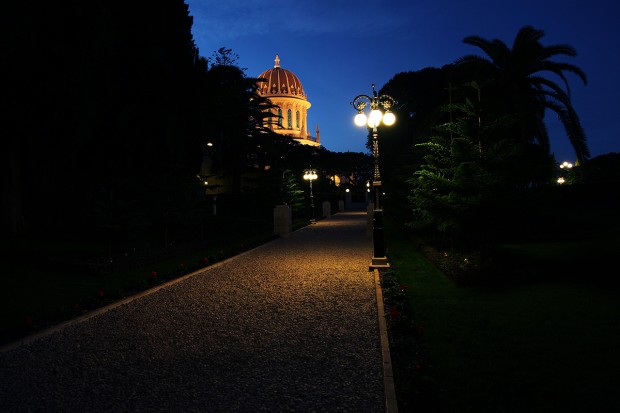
290	115
280	82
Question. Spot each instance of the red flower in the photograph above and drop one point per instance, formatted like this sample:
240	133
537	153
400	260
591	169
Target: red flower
394	312
154	273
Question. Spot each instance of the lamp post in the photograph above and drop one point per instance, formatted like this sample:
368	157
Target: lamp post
379	113
310	175
206	172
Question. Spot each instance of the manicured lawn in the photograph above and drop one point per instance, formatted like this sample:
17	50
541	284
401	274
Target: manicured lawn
533	345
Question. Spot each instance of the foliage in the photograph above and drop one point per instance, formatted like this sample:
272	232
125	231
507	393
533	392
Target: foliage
416	387
292	194
234	114
487	347
600	169
419	96
223	57
515	80
491	143
457	188
111	113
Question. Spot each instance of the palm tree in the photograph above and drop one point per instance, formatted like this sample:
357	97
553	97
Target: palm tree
517	76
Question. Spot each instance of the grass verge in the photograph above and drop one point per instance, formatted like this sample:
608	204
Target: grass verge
536	344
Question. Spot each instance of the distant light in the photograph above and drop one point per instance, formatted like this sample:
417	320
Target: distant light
310	175
561	180
348	190
209	144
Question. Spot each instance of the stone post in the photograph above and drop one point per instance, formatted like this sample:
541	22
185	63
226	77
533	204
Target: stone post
282	221
327	209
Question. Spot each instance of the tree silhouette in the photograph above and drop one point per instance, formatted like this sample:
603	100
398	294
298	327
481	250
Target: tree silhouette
108	117
515	79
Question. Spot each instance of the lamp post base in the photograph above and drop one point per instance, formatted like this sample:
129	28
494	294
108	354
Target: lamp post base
379	263
379	259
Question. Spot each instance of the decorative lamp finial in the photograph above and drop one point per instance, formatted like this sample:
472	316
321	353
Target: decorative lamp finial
277	61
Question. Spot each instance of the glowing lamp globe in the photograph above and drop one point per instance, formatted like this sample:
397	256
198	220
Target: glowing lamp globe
374	118
360	119
310	175
389	119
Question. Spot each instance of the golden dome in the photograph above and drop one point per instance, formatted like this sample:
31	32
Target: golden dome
280	82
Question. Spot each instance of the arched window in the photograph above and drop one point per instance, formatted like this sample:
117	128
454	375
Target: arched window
279	117
297	119
290	119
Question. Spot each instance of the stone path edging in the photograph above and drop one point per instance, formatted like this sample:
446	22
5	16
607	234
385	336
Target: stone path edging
391	404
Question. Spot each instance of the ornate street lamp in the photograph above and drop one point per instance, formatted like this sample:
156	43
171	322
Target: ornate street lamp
310	175
379	113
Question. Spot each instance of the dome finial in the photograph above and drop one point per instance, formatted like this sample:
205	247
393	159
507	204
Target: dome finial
277	61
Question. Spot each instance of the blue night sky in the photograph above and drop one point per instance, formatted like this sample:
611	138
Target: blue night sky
339	48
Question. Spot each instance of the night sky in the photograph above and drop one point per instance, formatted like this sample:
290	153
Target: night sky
340	48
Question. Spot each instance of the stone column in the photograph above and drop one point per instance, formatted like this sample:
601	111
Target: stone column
327	209
282	221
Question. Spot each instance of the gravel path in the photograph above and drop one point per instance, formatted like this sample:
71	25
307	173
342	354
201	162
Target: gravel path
290	326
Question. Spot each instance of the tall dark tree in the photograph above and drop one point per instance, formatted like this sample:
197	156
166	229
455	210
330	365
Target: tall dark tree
99	109
235	114
517	82
419	96
458	192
